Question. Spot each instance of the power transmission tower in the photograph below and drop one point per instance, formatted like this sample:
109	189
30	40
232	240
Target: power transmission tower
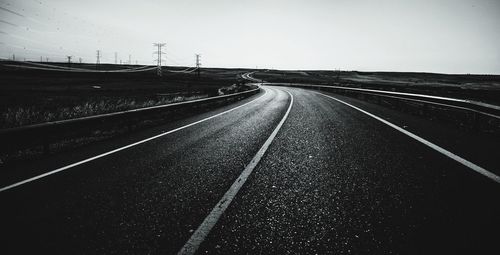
80	60
98	62
69	60
14	57
129	59
158	52
116	58
198	64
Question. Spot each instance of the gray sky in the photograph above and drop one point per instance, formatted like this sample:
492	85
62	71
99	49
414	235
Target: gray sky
450	36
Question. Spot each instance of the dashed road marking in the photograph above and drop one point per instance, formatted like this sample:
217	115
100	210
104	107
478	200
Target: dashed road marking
206	226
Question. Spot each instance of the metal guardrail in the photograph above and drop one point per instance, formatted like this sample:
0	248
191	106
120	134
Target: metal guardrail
480	108
45	133
247	76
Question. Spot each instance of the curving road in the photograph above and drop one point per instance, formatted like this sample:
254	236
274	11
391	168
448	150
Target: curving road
286	171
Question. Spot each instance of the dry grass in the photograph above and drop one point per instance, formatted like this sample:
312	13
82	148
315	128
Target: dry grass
26	115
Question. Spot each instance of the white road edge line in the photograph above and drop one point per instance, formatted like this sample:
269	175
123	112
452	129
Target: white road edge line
122	148
206	226
437	148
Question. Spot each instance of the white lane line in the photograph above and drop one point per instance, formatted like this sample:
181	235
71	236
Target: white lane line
123	148
437	148
206	226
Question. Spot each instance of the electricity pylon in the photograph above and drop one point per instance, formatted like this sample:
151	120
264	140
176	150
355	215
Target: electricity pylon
98	62
198	64
158	52
69	60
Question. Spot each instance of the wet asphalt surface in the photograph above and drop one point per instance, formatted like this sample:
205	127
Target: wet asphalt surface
333	181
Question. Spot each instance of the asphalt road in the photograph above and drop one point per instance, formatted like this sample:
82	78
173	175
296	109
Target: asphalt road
332	180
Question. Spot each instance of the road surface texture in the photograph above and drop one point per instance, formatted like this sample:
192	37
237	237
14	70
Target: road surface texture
332	180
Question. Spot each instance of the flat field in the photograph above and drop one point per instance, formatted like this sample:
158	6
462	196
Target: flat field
485	88
29	96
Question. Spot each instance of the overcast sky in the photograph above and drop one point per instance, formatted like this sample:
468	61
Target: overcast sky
450	36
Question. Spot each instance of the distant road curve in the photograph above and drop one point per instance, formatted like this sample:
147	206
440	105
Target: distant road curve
437	148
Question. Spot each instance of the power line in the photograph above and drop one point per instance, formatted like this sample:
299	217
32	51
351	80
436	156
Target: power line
176	59
40	66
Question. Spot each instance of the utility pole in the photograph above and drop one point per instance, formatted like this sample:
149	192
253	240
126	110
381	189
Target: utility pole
116	58
14	57
98	62
69	60
129	59
47	59
198	64
158	52
41	59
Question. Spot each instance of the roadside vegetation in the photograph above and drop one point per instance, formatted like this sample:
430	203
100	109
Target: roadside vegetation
32	96
26	115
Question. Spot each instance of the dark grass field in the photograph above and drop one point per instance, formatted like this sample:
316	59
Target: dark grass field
485	88
30	96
